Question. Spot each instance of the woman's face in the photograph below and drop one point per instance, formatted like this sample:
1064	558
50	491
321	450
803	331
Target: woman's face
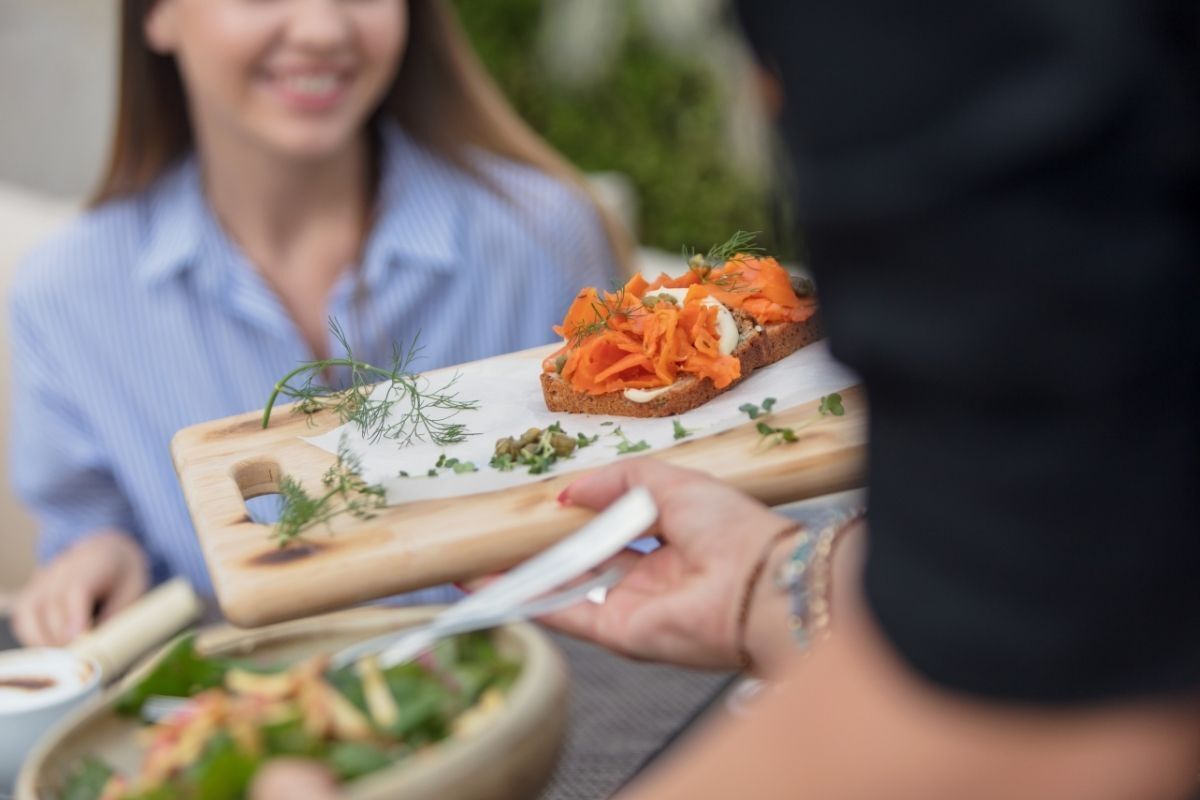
296	77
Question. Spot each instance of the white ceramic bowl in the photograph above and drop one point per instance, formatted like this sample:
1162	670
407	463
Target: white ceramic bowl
38	687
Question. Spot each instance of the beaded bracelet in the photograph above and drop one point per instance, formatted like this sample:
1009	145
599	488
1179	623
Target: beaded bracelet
806	576
745	662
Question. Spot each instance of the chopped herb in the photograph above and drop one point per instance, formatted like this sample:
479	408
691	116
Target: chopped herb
584	441
422	411
680	431
433	473
608	423
768	404
464	466
402	474
346	493
560	362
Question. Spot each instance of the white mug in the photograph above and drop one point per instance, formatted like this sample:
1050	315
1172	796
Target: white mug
39	686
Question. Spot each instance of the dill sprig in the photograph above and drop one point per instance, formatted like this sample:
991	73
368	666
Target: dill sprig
406	409
741	243
740	246
605	310
345	493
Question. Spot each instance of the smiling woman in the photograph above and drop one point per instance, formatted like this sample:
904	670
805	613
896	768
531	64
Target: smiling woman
274	164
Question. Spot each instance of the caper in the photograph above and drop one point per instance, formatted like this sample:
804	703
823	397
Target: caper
531	435
563	445
506	446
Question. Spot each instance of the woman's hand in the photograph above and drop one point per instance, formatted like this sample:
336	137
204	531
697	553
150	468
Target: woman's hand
680	603
95	578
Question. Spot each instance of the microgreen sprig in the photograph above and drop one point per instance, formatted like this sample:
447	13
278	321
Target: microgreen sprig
625	447
407	409
830	405
680	431
761	410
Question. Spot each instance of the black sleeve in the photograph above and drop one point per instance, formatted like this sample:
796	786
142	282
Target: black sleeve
1000	204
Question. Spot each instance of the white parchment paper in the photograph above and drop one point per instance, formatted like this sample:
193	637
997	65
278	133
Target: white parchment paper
510	402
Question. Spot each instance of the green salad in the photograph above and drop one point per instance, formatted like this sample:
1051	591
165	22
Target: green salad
354	720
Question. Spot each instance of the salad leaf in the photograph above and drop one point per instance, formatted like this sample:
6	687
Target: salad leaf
350	760
88	781
181	673
291	738
223	771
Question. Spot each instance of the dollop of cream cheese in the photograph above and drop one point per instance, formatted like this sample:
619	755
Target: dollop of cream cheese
645	395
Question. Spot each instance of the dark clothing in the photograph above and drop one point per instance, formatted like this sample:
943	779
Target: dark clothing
1001	203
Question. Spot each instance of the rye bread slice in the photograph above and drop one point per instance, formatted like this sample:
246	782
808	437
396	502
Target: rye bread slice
757	347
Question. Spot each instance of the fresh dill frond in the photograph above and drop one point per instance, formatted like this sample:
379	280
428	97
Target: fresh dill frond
605	310
405	409
345	493
739	246
741	243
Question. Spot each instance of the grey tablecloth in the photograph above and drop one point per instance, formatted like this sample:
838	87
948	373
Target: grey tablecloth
622	713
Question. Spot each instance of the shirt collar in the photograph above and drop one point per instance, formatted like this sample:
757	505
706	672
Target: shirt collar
419	212
176	210
420	209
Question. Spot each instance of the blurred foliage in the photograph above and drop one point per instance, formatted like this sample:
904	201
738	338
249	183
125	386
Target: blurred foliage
656	116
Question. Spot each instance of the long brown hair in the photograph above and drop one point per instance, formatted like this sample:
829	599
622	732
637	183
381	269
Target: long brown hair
442	95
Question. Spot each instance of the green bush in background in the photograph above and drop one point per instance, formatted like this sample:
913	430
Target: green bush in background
656	117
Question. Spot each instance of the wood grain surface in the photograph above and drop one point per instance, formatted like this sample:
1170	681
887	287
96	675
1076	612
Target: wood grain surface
222	463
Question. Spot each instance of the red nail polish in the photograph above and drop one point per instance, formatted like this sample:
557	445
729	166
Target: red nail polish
562	497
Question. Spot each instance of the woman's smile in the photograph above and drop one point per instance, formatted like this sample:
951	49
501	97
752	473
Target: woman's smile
309	89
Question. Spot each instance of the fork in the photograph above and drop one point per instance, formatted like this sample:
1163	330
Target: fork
515	596
406	644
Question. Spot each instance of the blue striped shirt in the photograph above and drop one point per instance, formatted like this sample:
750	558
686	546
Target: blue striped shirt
143	317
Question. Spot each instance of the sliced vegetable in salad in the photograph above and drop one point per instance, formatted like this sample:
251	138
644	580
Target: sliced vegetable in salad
354	720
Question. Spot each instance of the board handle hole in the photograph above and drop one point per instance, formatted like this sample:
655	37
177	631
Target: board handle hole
257	478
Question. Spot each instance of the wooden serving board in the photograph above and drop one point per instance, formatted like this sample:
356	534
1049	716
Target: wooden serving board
221	464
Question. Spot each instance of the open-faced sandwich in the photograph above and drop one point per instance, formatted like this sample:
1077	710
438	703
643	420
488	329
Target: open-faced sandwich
663	347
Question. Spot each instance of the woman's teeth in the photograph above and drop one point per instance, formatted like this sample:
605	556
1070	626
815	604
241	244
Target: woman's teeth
312	84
